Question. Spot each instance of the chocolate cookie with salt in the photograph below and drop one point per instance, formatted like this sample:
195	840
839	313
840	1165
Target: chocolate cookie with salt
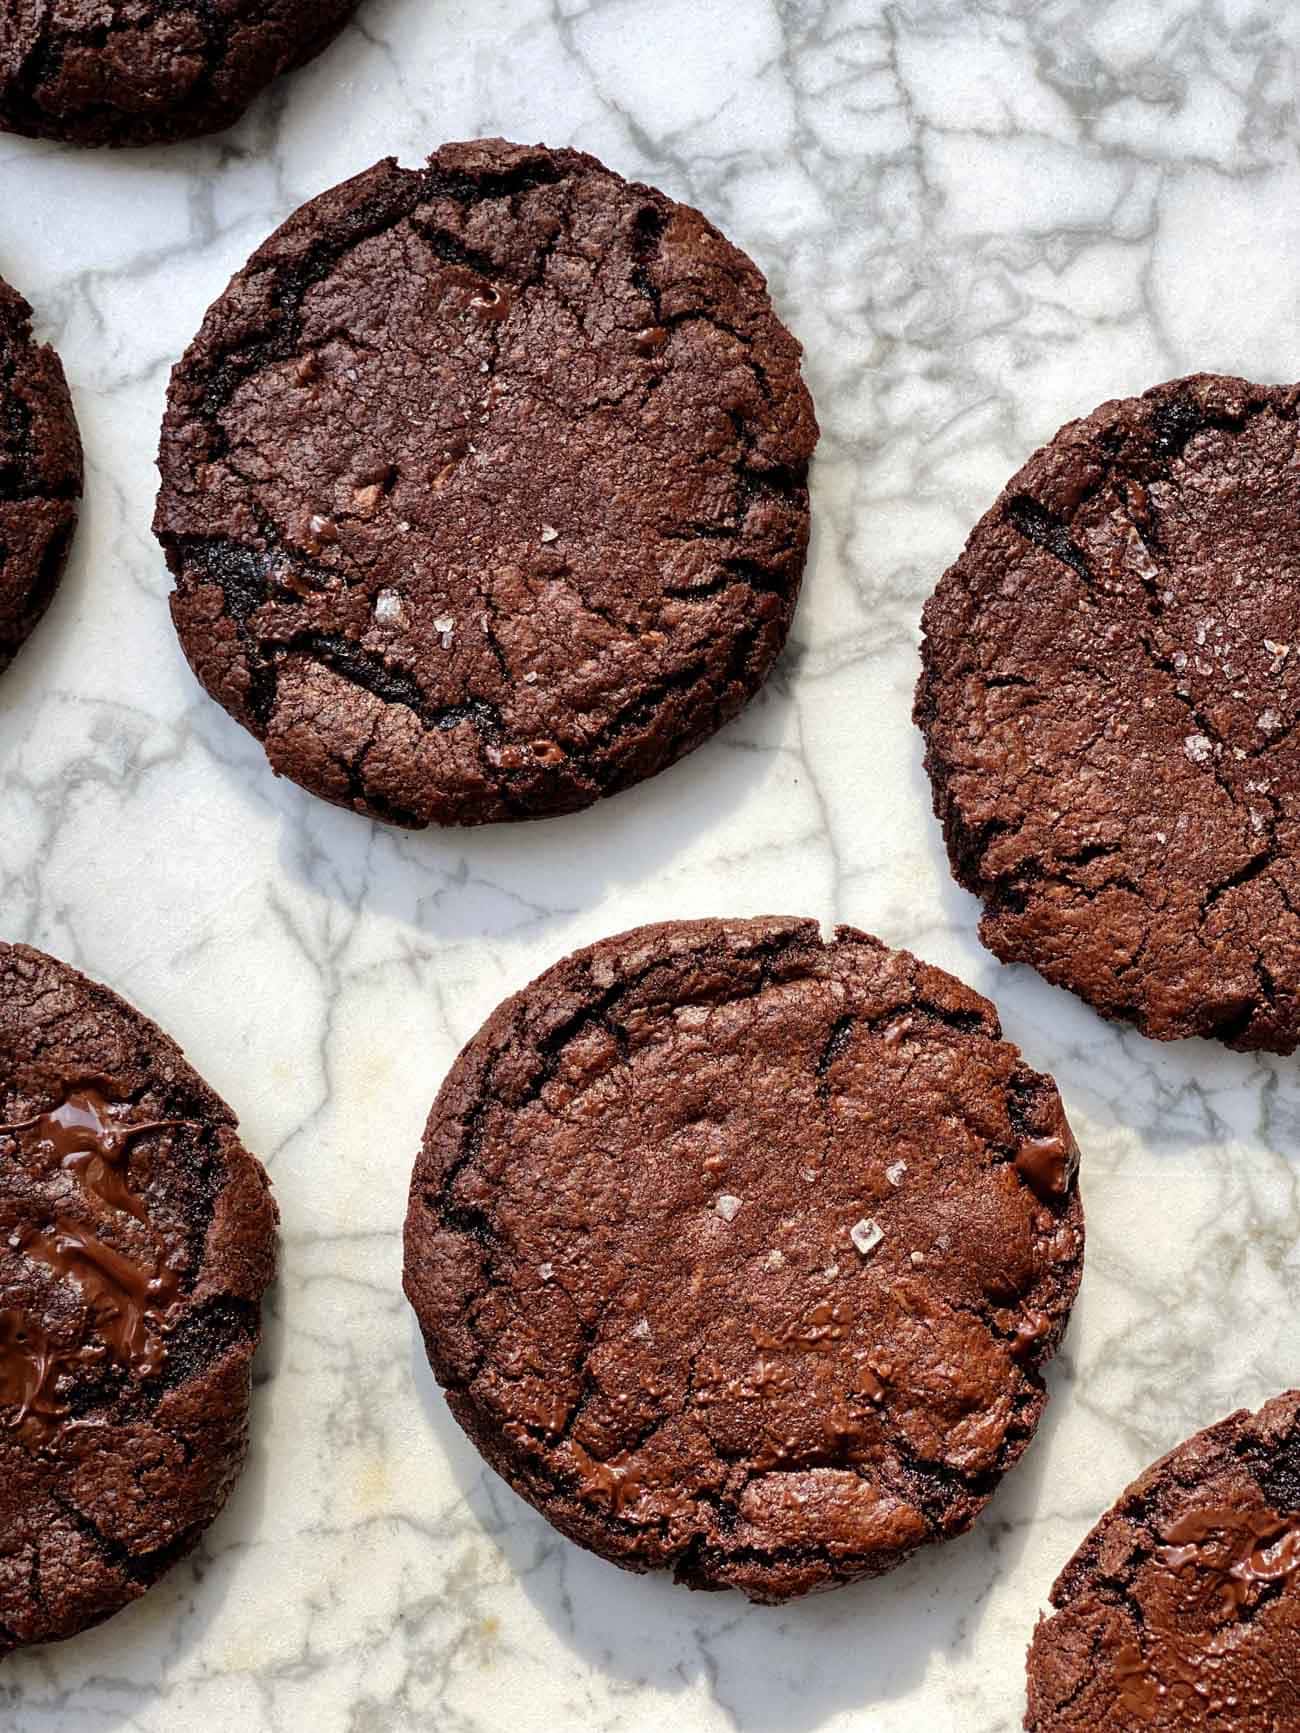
136	1238
1110	700
484	487
1182	1607
40	474
738	1252
129	72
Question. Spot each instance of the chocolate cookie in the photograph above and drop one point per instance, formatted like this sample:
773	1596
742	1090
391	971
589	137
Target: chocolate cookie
484	487
1110	694
136	1238
121	72
1182	1607
40	474
737	1252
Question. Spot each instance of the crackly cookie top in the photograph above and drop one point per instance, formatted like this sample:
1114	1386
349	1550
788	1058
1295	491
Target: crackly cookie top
40	474
484	487
136	1238
1182	1607
1110	698
738	1252
123	72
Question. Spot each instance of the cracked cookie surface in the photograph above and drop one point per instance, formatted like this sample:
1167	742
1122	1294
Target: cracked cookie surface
1182	1607
737	1252
127	72
40	474
484	487
1110	700
136	1239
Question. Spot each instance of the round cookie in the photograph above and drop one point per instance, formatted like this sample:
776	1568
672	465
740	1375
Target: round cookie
124	72
40	474
738	1253
136	1238
1182	1607
1109	698
484	486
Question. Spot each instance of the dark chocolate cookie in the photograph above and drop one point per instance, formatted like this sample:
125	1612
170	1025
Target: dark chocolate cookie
122	72
1182	1608
40	474
737	1253
136	1238
1110	695
484	487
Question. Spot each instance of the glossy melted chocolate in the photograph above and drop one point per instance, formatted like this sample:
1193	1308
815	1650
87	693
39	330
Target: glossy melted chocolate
125	1300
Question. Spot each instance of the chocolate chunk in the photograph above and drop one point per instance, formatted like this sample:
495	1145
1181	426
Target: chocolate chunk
40	474
136	1239
449	536
1110	696
1182	1607
149	71
724	1278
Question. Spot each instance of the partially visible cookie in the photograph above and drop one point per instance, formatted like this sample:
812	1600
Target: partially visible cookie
40	474
485	487
121	72
738	1253
1111	706
136	1238
1182	1608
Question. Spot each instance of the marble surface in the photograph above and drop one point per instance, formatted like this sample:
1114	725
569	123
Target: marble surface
982	217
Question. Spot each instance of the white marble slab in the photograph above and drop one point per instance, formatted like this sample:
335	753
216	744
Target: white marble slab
982	217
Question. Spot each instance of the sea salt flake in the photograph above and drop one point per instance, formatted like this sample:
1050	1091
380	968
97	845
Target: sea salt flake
388	606
546	1271
1269	722
808	1175
530	679
918	1258
831	1271
641	1329
774	1259
1198	747
894	1174
866	1235
549	533
727	1207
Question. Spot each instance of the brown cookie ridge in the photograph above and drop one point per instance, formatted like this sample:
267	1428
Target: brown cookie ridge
1109	697
484	486
134	72
137	1236
738	1252
1182	1607
40	474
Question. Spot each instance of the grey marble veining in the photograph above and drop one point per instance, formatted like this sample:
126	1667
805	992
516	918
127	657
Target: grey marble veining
982	217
